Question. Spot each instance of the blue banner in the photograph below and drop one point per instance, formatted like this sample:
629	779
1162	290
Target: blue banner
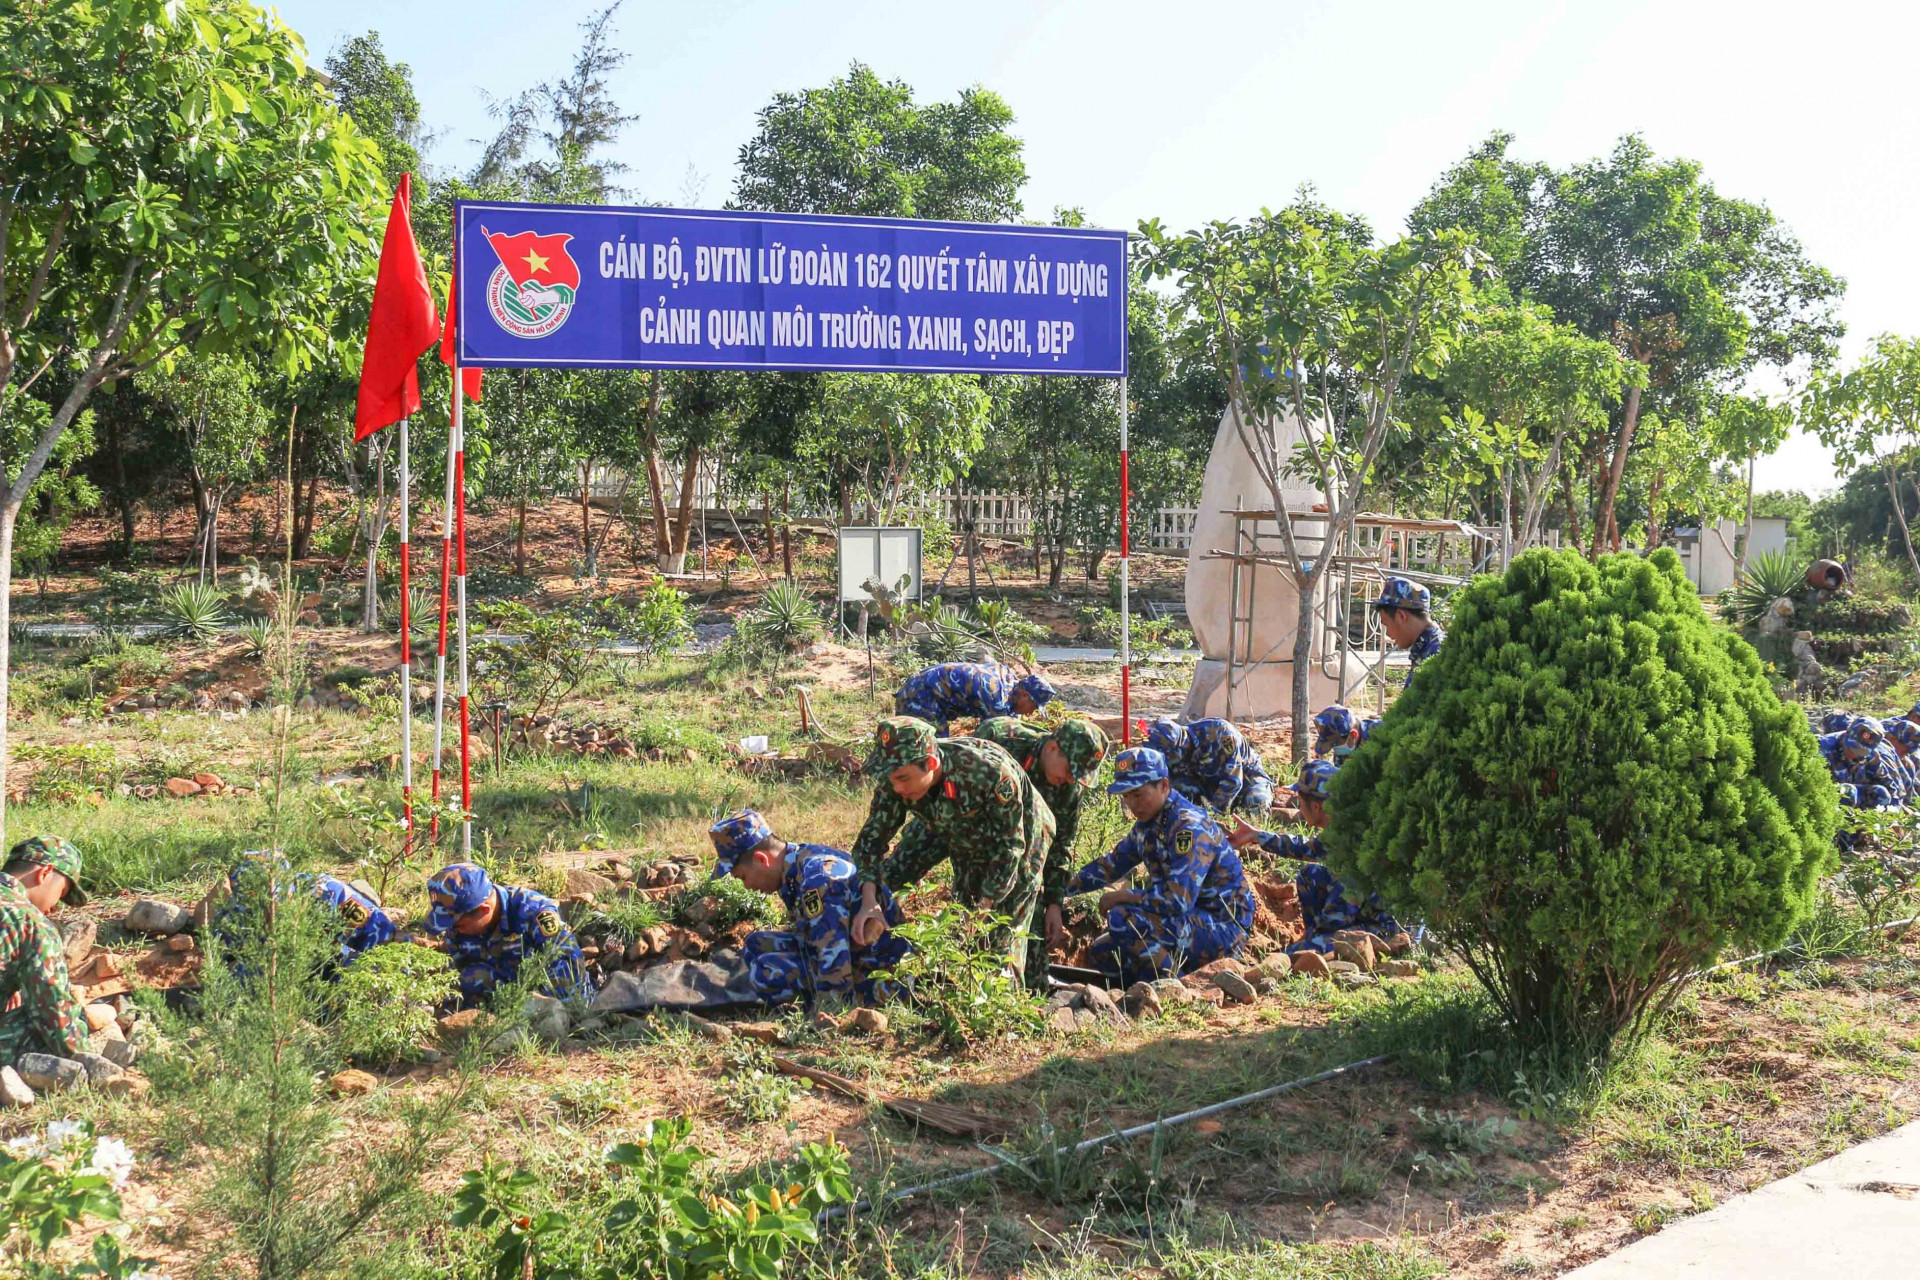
572	286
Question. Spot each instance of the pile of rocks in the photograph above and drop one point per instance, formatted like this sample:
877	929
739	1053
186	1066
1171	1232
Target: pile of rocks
611	950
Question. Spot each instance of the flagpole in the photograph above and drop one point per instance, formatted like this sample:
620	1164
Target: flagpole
446	569
460	579
406	650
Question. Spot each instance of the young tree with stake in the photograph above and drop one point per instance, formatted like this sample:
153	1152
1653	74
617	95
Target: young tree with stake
1305	318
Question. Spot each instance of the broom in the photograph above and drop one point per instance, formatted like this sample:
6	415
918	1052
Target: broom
955	1121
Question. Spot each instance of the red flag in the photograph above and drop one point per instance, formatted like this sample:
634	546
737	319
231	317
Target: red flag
400	328
536	259
449	339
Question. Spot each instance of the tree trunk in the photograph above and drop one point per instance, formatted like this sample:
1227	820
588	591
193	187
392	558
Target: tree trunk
1746	543
376	530
1604	518
9	512
123	497
1900	514
1303	668
846	502
786	531
674	557
1653	509
586	507
520	535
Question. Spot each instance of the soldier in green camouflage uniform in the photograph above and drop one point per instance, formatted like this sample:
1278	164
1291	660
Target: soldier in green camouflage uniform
972	805
33	958
1060	775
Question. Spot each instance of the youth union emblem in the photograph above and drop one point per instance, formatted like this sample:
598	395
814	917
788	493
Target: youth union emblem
532	291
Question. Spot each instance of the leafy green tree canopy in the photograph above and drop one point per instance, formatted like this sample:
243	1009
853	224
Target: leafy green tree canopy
862	145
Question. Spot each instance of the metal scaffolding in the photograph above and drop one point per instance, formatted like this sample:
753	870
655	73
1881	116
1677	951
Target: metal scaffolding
1353	648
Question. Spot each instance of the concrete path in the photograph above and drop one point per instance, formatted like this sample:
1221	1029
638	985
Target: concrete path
1856	1215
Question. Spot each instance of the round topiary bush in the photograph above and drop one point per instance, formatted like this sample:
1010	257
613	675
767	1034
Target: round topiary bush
1588	794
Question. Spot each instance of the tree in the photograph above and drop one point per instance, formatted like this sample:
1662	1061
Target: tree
1871	413
379	97
1697	287
863	146
58	493
175	179
1534	382
215	398
890	435
1588	794
1305	319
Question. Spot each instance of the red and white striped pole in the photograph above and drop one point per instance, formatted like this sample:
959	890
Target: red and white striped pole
406	649
446	573
1126	636
460	581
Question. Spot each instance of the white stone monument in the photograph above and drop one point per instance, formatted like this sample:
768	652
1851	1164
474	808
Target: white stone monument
1263	680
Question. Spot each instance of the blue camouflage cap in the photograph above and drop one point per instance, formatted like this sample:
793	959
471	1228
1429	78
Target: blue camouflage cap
1402	593
1835	722
1905	733
1168	737
454	891
1332	726
736	836
1863	735
1035	687
1314	777
1136	767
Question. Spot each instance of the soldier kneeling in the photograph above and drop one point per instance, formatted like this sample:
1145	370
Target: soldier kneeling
816	955
1196	907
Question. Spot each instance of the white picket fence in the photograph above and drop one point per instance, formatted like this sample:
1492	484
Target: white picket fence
995	515
1010	515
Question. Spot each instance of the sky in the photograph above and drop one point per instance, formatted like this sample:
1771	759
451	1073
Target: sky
1215	108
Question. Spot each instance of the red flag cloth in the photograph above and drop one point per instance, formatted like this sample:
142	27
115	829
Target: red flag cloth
449	344
536	259
401	327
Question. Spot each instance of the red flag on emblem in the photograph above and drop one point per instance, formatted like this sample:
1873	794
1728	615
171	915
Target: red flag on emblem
535	259
449	339
401	327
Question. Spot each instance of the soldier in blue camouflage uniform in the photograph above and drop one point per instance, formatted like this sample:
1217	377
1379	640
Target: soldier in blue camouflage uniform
1196	906
817	956
1212	763
1061	764
489	930
1903	738
980	690
1868	762
1325	905
1338	731
40	873
1403	606
962	800
363	925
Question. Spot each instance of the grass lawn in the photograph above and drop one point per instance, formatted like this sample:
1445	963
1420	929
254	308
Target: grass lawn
1462	1156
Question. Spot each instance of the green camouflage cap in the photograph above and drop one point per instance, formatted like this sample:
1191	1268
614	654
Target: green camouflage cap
1084	744
58	853
899	740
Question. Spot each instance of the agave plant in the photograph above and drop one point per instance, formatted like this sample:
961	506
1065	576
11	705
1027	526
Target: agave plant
193	611
1768	576
785	620
258	633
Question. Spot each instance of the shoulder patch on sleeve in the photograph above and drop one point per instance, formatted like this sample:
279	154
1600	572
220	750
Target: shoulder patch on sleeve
548	923
354	911
1183	841
812	903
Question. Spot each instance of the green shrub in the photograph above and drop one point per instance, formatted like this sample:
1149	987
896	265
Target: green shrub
194	610
670	733
785	618
961	985
1587	794
1768	576
387	1001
